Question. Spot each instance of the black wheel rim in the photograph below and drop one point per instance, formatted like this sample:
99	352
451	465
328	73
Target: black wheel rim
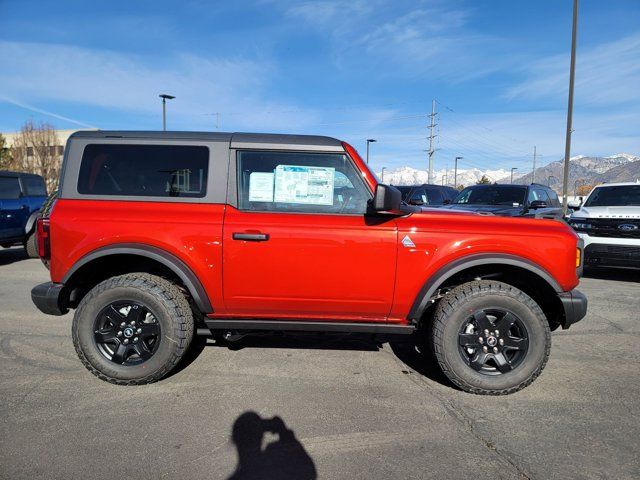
127	333
493	341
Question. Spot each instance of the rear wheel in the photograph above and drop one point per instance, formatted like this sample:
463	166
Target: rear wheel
132	329
31	245
490	338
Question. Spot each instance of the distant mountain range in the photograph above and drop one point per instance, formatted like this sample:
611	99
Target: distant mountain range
583	169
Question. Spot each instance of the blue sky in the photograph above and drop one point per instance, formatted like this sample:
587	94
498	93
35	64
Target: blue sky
350	69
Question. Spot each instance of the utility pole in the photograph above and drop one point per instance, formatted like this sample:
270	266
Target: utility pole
513	170
443	180
455	174
533	174
383	169
572	74
431	138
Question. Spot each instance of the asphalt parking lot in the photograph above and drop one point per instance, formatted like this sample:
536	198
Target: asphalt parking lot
358	409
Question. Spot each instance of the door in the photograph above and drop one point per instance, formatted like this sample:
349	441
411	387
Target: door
298	243
12	209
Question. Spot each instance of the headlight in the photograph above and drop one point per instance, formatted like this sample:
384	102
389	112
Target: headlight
580	224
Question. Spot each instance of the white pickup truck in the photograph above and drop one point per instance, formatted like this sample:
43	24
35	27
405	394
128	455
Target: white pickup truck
609	223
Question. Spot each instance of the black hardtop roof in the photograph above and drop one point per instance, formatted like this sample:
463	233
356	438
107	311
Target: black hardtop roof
7	173
240	138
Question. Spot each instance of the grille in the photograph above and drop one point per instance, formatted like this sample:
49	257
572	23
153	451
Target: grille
608	227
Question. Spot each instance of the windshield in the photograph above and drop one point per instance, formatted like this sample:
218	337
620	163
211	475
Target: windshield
492	195
622	195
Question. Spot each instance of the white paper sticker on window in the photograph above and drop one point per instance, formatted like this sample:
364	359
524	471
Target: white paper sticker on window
309	185
261	187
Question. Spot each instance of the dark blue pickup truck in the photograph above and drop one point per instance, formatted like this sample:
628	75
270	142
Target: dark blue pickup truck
21	196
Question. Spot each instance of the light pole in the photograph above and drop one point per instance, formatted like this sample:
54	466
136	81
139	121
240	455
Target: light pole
164	98
383	169
369	140
513	170
455	173
572	74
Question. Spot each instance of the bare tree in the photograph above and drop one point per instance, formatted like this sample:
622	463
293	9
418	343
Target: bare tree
36	149
6	157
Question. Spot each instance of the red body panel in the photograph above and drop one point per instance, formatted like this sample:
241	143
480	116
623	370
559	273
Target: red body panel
190	231
443	236
312	266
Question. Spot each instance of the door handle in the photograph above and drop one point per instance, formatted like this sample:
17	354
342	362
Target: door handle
251	237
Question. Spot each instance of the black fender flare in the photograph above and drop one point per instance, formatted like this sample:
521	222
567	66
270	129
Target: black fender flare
434	282
177	266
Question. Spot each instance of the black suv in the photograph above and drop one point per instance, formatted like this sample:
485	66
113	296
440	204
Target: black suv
427	195
509	200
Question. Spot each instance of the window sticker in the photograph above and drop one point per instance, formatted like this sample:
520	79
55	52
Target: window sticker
261	187
308	185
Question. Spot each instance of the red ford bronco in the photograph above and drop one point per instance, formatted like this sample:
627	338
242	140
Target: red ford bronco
157	236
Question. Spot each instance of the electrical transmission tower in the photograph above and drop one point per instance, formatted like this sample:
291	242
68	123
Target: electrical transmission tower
432	137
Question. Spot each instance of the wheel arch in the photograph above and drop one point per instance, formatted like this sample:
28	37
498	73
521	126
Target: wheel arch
517	271
128	258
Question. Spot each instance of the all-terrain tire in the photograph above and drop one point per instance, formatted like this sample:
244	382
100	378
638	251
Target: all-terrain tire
452	313
170	308
31	245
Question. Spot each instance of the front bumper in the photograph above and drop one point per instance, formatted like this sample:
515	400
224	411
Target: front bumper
574	303
50	298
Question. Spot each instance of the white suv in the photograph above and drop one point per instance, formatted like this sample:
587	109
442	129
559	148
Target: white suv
609	224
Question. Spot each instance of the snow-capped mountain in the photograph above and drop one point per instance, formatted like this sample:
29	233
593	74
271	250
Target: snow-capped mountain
582	168
413	176
602	164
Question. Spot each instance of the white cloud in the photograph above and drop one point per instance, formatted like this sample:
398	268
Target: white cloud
126	83
605	74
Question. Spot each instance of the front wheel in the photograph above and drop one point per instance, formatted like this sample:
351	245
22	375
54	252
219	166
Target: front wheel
132	329
490	338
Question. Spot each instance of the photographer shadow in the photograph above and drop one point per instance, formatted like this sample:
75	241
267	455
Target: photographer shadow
284	458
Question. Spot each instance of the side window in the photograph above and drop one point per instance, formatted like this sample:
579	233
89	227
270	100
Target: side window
144	170
435	196
542	195
419	196
555	202
34	186
9	188
300	182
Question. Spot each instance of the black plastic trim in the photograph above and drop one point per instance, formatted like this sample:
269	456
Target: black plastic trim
574	303
432	284
307	326
167	259
50	298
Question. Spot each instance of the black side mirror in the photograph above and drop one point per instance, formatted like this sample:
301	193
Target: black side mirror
416	202
387	199
536	204
446	201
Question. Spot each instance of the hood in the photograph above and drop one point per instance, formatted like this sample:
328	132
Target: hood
502	210
607	212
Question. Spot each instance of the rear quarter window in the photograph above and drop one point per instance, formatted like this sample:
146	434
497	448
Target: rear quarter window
9	188
144	170
34	186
